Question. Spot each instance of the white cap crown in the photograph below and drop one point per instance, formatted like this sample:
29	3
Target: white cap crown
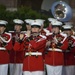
52	19
35	22
3	22
41	21
18	21
67	26
56	23
28	21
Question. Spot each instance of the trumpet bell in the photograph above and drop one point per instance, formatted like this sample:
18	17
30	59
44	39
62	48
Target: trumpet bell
61	11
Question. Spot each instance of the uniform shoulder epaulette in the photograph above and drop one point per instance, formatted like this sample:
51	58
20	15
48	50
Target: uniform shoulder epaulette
8	33
73	37
47	32
43	36
63	34
50	33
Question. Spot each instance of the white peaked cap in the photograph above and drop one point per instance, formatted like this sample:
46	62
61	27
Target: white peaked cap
3	22
67	26
35	22
41	21
18	21
56	23
52	19
28	21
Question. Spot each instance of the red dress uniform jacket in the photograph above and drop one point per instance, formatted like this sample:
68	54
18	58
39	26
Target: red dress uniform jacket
54	55
5	46
70	53
15	56
33	47
45	32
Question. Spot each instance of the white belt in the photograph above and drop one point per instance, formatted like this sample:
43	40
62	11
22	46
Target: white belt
55	49
2	48
33	53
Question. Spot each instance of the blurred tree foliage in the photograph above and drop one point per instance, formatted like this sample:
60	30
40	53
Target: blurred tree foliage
21	13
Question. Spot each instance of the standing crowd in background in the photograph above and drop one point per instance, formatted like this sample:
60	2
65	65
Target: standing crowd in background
37	50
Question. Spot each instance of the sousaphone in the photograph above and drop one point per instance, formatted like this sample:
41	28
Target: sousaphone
61	11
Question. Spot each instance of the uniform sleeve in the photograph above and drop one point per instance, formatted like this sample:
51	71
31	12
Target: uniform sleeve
38	44
8	42
64	45
9	46
18	46
73	47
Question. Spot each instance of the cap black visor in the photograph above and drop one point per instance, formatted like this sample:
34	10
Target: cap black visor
2	25
36	26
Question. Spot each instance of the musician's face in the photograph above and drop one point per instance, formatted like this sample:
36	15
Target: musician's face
35	29
50	24
17	27
28	27
2	29
68	32
55	30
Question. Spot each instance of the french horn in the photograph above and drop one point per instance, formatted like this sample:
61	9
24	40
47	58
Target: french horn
61	11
